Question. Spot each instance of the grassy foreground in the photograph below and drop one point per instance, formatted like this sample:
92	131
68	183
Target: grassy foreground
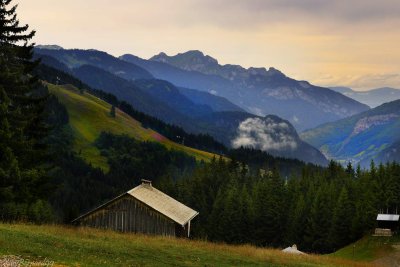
89	116
69	246
370	248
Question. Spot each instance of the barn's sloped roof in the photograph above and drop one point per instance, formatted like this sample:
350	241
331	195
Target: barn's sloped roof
163	203
388	217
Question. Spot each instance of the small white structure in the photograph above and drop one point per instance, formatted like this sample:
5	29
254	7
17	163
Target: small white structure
293	250
388	217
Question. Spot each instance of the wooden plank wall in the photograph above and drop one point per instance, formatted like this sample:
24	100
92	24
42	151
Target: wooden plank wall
130	215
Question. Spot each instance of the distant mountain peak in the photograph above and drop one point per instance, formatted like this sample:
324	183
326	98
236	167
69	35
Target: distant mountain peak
162	57
372	97
189	60
196	60
258	71
388	89
198	57
194	53
49	47
273	72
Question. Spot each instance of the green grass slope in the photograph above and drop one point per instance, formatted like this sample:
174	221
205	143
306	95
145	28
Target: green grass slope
373	249
389	154
89	116
67	246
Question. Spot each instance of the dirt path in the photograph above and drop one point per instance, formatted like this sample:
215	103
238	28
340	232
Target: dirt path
392	260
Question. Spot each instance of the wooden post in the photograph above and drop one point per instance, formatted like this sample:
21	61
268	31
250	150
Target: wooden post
188	229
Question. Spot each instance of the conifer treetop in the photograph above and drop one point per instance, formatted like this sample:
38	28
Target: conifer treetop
11	32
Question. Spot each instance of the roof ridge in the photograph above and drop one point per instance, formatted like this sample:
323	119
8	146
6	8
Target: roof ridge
186	215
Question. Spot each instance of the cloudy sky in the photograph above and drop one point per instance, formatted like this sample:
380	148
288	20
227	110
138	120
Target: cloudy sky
328	42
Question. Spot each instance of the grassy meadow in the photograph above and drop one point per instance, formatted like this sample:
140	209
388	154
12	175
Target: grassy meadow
370	248
70	246
89	116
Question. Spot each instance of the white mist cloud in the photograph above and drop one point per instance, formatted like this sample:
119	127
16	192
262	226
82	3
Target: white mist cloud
213	92
264	135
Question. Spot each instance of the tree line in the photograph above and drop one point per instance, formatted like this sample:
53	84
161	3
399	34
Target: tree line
320	210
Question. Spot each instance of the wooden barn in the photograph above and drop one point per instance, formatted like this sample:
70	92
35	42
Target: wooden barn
143	209
387	224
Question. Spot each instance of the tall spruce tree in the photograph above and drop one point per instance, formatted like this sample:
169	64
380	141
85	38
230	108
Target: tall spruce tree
341	228
319	221
21	180
112	111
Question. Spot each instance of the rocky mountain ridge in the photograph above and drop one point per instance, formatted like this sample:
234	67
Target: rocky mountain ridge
257	90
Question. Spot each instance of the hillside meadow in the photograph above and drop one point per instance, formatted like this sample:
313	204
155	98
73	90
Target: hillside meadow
89	116
380	250
73	246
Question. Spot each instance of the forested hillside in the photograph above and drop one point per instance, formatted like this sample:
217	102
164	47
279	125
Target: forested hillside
170	131
89	116
97	166
319	210
254	200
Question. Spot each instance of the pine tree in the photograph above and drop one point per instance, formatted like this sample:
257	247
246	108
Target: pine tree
319	221
297	221
269	207
112	111
21	106
349	170
342	221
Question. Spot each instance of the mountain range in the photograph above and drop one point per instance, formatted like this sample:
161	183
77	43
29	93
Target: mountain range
194	110
373	97
371	135
256	90
253	107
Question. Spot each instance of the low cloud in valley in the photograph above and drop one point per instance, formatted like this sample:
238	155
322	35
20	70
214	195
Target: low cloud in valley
264	134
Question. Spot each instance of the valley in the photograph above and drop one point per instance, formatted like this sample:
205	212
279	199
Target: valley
360	138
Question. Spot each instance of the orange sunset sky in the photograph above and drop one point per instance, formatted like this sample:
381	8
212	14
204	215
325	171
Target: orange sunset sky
329	43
